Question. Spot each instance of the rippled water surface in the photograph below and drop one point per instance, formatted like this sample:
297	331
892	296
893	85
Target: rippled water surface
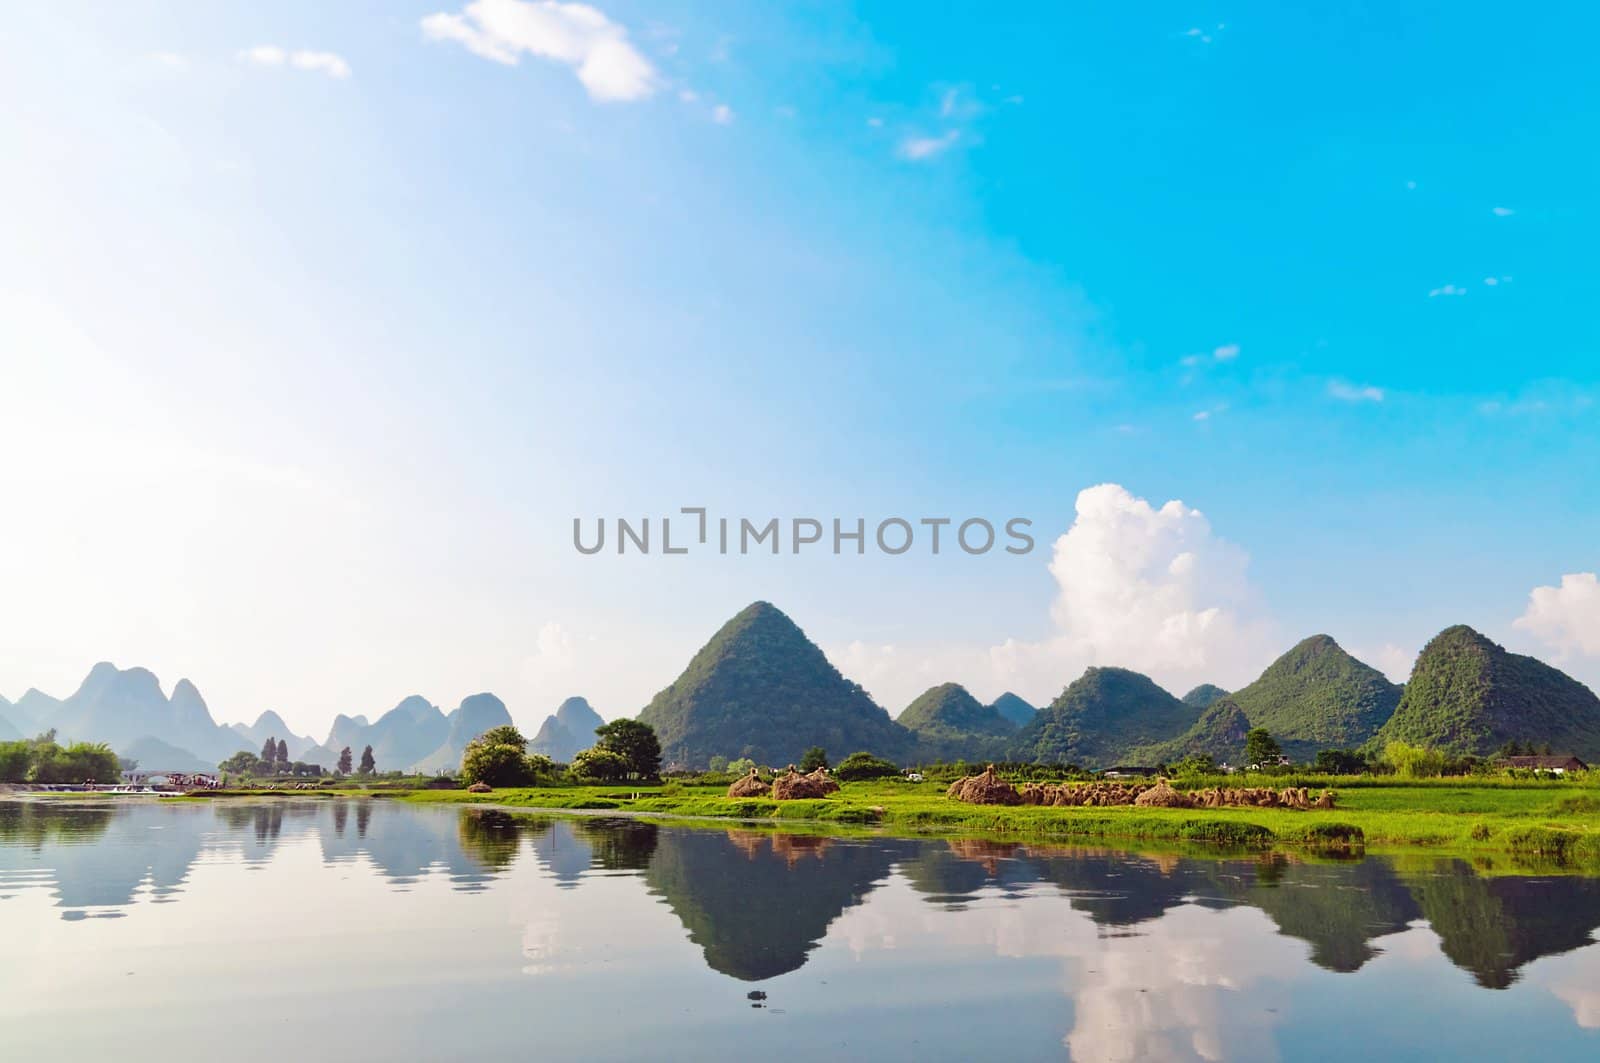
371	930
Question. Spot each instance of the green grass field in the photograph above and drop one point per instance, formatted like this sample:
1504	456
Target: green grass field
1543	822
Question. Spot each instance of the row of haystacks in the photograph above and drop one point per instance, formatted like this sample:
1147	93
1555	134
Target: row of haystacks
988	788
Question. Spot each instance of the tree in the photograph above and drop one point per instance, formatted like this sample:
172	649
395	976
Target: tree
600	764
345	760
269	753
635	743
1340	762
243	762
718	764
813	758
864	765
368	765
499	757
283	752
1196	764
1413	762
741	766
15	759
1260	747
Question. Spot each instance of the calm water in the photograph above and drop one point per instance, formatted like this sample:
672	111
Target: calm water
382	931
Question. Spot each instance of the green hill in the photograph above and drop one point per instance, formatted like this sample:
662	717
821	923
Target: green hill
1102	718
1203	695
761	689
1013	708
1468	695
1316	697
1218	733
949	724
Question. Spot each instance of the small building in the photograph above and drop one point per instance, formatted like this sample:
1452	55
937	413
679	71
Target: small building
1556	765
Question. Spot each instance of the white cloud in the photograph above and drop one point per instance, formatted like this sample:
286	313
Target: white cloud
875	122
1448	289
1566	618
1351	393
576	35
1137	586
264	55
328	63
1226	353
920	148
722	114
1393	661
1502	212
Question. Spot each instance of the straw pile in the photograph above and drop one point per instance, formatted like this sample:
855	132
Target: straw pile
480	788
793	786
1162	795
985	789
749	786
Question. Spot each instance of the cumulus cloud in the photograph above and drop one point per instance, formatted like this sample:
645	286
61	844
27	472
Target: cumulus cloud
1566	618
328	63
1351	393
919	149
1137	586
575	35
1447	289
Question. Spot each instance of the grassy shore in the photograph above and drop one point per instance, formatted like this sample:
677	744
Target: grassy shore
1557	823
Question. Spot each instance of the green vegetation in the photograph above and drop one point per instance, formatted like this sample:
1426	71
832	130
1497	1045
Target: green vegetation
1260	747
43	760
635	743
813	758
858	767
1203	695
1467	695
950	722
761	689
499	757
1103	718
1316	697
1528	821
1219	734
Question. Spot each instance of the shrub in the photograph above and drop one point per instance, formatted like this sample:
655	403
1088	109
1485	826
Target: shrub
863	765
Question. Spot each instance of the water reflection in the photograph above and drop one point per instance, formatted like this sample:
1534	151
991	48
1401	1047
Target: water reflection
1171	954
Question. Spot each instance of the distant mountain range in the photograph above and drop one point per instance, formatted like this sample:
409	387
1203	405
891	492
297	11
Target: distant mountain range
567	732
761	689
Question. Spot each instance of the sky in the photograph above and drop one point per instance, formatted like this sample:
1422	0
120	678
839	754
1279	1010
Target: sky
321	323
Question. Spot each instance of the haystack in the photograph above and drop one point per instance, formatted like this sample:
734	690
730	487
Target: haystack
749	786
985	789
792	786
822	779
1325	801
480	787
1162	795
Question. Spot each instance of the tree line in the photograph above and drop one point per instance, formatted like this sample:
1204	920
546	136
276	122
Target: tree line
44	760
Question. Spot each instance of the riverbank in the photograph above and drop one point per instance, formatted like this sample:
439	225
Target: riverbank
1559	824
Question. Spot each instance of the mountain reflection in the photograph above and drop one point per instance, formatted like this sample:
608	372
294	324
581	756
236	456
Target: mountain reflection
757	904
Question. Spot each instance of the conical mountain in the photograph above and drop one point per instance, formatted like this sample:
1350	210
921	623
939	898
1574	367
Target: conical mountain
570	730
1317	697
952	724
476	714
1015	709
1468	695
761	689
949	709
270	725
1203	695
1102	718
1219	733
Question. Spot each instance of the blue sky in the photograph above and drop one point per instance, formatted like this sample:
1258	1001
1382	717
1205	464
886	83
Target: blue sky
323	322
